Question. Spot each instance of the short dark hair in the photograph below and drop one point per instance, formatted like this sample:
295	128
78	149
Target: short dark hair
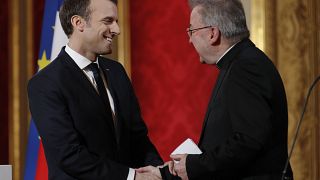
70	8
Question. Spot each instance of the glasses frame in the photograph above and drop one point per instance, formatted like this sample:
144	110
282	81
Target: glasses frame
190	31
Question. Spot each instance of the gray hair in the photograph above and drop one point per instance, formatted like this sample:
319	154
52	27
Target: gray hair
227	15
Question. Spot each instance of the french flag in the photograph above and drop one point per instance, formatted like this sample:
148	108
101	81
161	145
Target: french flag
52	40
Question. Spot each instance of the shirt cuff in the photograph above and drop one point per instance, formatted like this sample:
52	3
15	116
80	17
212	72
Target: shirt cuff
131	174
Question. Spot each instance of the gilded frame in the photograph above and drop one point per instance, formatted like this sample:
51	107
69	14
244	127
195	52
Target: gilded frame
21	64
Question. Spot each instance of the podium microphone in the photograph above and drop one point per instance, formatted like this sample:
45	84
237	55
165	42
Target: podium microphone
284	177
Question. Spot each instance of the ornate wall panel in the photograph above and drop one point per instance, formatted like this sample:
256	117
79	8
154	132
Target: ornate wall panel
297	58
270	29
291	38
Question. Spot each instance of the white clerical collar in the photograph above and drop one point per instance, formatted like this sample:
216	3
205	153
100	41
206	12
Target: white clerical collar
226	52
80	60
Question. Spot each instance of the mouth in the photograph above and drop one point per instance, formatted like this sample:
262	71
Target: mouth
108	38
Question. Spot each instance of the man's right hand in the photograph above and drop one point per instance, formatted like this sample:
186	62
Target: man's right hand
146	176
148	173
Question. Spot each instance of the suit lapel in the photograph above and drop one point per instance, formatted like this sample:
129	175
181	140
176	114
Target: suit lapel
83	82
79	76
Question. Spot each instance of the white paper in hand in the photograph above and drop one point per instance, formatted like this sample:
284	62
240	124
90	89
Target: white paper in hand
187	147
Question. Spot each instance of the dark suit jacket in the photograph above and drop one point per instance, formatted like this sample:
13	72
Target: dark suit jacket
78	134
244	133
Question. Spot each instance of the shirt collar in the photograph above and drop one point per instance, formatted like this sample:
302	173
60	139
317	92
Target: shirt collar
226	52
80	60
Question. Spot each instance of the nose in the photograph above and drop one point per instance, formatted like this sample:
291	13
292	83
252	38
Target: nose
115	29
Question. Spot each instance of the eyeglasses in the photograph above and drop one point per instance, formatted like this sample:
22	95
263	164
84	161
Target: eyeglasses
190	30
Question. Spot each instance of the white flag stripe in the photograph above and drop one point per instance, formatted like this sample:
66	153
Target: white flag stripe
59	38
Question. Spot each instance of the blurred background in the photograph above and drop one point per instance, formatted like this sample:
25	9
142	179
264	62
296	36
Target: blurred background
173	88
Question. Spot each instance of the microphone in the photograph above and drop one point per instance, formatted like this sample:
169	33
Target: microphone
284	177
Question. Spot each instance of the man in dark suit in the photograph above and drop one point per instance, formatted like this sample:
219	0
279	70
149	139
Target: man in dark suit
244	133
84	106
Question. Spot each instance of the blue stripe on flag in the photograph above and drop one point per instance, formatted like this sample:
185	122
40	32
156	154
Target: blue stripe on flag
32	152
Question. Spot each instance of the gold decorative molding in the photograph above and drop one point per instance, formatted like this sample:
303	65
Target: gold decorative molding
20	70
270	29
121	44
317	60
262	26
257	25
14	128
124	37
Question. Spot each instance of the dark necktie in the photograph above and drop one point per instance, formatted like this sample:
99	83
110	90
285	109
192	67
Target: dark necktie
104	95
100	85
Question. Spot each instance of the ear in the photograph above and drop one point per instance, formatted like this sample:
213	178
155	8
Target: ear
78	23
214	35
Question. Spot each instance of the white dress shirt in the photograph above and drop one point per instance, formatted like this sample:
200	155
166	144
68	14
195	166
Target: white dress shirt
83	63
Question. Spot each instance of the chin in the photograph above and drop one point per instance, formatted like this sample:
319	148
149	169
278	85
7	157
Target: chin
109	51
105	52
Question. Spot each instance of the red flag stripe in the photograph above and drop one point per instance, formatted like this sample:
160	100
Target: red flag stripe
42	168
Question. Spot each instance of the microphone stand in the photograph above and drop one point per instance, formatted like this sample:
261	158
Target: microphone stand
284	177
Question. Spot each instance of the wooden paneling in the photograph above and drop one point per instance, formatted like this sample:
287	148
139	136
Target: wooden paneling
297	57
20	70
292	40
123	43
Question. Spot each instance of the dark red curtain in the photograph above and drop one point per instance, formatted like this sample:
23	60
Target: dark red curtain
4	65
173	88
38	10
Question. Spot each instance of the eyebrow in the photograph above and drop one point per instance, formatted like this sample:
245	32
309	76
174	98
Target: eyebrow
109	18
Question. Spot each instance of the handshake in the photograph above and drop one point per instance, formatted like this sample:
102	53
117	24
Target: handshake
177	167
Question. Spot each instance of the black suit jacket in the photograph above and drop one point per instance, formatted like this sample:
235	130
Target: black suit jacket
78	134
244	133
